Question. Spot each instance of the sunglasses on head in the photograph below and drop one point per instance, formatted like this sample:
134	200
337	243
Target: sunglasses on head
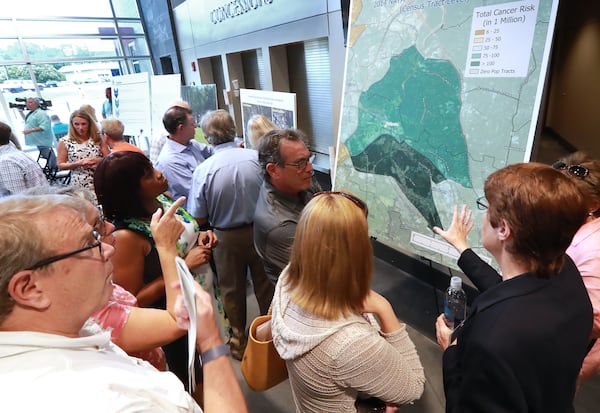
355	200
575	170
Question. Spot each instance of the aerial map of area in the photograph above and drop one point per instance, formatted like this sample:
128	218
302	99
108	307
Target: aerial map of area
437	95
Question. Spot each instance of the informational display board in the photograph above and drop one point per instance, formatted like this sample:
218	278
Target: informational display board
202	99
140	101
164	90
278	107
131	102
437	95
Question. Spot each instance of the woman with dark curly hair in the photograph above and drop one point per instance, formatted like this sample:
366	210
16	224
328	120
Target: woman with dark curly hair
130	190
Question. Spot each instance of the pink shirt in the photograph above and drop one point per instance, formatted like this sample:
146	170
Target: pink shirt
114	315
585	252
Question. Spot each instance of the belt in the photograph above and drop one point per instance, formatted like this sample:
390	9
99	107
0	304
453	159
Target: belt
234	228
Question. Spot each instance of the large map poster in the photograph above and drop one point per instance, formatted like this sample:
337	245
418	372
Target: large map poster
438	94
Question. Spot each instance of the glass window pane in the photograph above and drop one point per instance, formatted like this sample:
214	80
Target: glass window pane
135	47
129	27
71	48
49	28
44	8
7	28
125	8
86	84
10	50
90	72
142	66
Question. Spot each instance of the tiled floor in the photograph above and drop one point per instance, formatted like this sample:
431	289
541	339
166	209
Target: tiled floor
415	303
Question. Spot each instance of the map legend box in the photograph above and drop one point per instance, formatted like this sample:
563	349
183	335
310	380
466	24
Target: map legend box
504	35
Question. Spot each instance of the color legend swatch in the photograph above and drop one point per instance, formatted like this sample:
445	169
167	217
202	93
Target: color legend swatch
501	39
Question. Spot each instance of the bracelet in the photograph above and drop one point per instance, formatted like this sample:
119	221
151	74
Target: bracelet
215	352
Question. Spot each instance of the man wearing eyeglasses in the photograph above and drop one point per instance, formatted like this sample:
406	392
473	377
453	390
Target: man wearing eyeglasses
288	185
223	193
112	133
56	272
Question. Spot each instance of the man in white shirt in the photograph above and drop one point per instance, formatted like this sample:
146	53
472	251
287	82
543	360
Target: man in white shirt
56	271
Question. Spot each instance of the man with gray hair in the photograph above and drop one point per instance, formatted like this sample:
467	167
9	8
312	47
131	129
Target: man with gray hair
38	127
223	193
287	187
55	273
112	133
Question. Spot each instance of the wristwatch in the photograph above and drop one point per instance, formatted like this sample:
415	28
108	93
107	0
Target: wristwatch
215	352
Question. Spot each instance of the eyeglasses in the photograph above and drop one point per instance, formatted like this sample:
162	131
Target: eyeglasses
575	170
101	224
482	203
97	236
355	200
302	164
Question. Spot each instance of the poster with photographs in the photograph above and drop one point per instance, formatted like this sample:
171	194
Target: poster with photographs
202	98
277	107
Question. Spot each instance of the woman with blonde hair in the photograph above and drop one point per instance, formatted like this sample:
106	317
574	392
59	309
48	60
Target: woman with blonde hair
81	150
257	126
86	107
323	324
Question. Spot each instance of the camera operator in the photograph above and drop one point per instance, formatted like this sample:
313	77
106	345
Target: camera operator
38	128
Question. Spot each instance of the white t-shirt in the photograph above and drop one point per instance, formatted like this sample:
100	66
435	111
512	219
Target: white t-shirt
50	373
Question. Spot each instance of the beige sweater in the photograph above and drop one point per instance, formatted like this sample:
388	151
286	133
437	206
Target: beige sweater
331	362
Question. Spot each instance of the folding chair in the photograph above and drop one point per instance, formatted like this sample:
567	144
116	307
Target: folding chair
48	163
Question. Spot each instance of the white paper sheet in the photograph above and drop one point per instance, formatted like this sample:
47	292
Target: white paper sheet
186	279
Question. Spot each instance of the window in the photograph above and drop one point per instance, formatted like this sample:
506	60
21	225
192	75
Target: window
67	52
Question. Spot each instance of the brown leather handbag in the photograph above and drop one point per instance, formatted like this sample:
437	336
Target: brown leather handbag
262	367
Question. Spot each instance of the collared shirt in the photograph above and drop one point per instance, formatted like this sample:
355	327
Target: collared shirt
585	252
87	373
60	129
225	187
177	163
18	171
39	119
275	220
107	109
125	146
156	146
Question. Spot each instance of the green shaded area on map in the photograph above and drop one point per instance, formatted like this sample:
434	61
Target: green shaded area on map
416	103
412	171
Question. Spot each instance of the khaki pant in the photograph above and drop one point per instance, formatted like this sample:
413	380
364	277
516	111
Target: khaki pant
234	255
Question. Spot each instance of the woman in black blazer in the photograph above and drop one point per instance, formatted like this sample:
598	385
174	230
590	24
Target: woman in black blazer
521	347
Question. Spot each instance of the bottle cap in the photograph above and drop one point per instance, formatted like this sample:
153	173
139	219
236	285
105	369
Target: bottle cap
456	282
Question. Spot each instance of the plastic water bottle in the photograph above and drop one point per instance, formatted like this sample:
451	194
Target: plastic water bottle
455	303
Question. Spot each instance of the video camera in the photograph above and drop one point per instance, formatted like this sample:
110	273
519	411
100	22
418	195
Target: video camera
44	104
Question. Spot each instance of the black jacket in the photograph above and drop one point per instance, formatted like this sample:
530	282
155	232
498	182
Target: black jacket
522	345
